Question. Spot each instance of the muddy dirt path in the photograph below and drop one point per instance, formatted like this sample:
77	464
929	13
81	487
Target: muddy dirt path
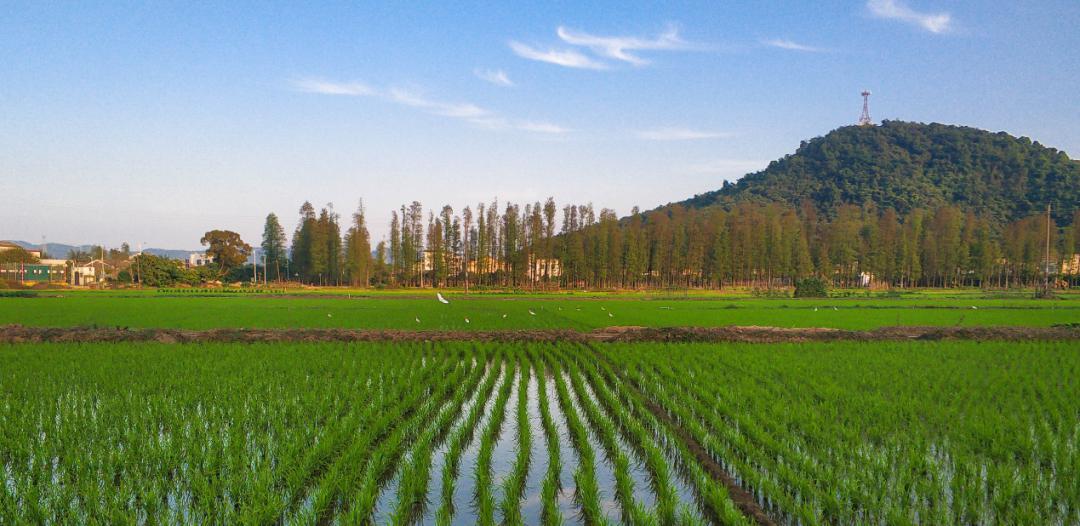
22	334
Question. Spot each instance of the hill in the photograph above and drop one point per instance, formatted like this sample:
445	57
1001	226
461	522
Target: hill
906	165
61	250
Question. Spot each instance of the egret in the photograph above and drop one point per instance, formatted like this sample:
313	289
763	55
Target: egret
974	307
815	309
531	312
610	315
602	308
442	300
467	320
417	320
328	315
504	316
834	308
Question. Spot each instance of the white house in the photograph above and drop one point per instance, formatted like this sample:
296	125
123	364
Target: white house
199	260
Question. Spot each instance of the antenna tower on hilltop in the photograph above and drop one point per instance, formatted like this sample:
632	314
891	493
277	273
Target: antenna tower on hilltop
864	119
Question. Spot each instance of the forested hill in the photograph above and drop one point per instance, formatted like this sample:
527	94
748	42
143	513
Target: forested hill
905	165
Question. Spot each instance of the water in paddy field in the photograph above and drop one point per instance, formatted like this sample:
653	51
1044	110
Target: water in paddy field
438	457
384	506
505	451
643	492
605	471
532	503
567	454
465	489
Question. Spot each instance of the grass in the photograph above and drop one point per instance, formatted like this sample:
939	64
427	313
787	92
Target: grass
487	312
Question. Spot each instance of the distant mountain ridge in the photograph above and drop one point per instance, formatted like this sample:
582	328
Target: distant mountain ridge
906	165
61	250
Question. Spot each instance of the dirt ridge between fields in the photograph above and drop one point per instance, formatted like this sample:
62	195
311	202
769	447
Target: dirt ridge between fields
750	334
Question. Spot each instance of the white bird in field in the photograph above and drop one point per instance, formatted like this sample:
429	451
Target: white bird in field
974	307
610	315
467	320
834	308
531	312
417	320
442	300
328	315
815	309
504	316
602	308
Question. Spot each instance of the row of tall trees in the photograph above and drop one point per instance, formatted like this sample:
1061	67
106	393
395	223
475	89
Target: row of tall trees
539	245
319	253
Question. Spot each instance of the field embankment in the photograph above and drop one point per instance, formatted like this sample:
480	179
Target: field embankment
753	334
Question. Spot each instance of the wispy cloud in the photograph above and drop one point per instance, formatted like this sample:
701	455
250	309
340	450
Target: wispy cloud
791	46
333	88
542	127
564	57
465	111
679	134
497	77
462	110
896	10
621	47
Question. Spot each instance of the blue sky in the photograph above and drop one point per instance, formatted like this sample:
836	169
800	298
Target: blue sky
154	122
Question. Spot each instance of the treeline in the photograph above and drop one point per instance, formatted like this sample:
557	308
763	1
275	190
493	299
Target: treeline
542	246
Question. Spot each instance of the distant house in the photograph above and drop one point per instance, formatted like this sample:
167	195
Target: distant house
1071	267
545	267
199	260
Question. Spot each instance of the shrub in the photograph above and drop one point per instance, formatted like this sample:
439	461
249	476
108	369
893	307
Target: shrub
811	288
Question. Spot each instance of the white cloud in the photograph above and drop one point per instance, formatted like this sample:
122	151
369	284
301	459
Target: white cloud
333	88
497	77
567	58
620	47
791	46
894	9
541	127
679	134
458	110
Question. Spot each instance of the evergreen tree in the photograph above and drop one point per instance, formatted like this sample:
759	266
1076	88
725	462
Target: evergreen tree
273	245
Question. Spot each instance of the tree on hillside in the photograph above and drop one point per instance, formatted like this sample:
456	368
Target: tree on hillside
227	249
273	245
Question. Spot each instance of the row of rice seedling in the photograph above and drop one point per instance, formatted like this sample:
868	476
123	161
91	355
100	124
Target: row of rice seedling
662	448
459	439
551	484
632	511
586	489
432	419
513	486
941	433
485	497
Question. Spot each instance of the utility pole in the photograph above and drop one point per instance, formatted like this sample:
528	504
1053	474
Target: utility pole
255	265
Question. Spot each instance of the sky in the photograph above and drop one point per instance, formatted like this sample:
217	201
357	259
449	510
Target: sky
153	122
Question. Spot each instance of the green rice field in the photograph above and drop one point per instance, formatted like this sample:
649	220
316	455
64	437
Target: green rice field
523	311
484	433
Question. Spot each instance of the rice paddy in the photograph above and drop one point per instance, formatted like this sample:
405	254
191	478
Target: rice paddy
538	433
